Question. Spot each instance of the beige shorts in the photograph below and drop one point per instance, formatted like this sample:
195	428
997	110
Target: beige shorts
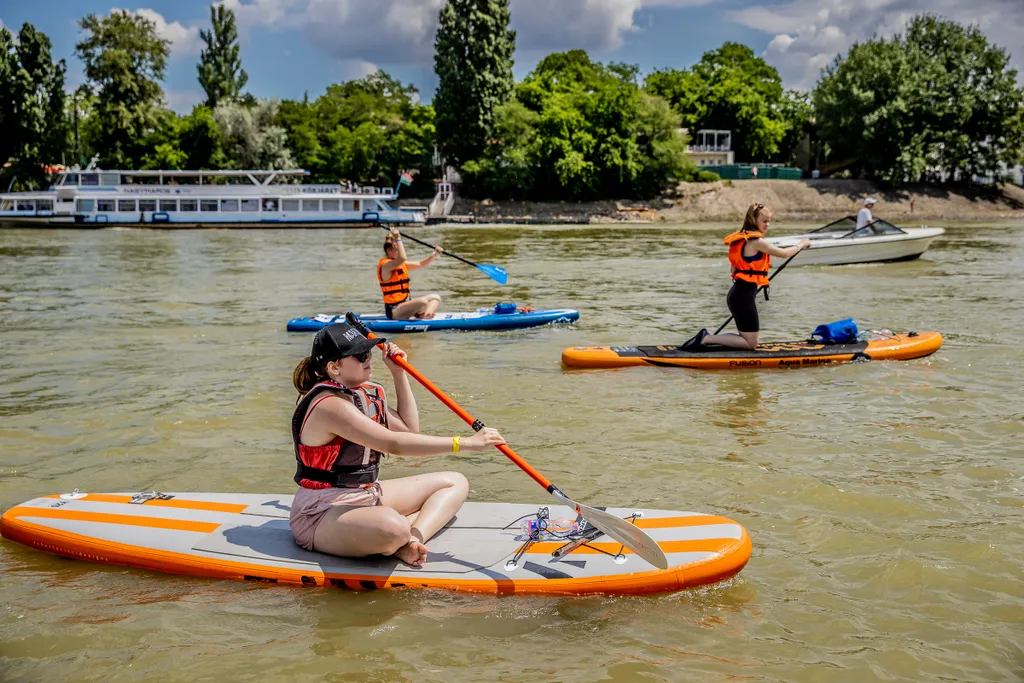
310	506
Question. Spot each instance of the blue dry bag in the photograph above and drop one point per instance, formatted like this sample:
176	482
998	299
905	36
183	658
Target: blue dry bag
839	332
504	309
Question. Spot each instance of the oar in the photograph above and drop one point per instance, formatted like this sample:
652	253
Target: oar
496	273
762	287
617	528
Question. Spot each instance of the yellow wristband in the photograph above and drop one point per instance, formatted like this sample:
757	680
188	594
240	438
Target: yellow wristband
456	443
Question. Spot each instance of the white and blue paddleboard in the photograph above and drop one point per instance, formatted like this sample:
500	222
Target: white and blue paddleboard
483	319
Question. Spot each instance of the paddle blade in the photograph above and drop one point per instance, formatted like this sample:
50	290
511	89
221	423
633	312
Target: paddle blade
496	273
622	531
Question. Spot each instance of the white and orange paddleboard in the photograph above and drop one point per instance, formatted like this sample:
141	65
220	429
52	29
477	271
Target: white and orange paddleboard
796	354
247	536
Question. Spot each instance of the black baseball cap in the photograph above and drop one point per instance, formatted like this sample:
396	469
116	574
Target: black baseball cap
339	340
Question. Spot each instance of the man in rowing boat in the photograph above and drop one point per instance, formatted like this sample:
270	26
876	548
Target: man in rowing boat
393	276
341	427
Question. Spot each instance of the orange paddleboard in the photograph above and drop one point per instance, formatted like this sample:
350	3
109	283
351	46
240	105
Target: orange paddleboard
798	354
247	536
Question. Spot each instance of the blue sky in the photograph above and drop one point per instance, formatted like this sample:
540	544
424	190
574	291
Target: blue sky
290	47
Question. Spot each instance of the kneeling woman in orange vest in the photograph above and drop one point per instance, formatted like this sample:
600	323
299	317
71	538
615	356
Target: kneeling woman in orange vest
750	259
341	428
393	276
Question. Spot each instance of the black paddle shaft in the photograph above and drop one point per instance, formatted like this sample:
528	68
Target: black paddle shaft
427	244
762	287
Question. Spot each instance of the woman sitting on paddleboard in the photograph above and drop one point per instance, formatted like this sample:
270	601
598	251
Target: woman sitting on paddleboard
341	428
393	276
750	259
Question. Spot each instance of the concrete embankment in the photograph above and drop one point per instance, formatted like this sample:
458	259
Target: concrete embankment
793	200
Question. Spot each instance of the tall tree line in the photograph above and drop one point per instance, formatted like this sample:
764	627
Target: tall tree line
938	101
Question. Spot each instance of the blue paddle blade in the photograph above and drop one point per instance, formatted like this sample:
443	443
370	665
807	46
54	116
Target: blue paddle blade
497	273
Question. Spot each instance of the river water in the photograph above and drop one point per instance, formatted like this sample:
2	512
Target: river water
885	500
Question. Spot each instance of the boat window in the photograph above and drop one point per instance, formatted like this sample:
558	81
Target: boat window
310	204
270	204
86	205
71	179
44	205
105	205
147	205
289	204
189	205
250	205
168	204
6	205
350	205
125	204
331	205
90	179
110	178
208	205
26	205
229	205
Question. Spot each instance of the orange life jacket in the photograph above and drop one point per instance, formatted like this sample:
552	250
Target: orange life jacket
755	271
395	289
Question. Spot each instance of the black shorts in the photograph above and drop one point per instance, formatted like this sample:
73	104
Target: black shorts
742	302
389	310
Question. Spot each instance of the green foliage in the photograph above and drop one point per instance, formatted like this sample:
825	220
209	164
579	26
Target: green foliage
473	60
220	69
707	177
250	138
32	117
367	131
188	142
124	62
938	99
730	89
580	129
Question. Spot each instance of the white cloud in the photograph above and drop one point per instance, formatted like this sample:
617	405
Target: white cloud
353	69
402	31
185	40
808	34
182	101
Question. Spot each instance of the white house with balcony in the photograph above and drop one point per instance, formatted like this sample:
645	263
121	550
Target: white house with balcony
710	147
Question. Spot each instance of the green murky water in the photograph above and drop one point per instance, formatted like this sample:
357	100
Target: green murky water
885	500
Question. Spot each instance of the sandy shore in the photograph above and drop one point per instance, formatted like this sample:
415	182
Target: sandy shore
793	200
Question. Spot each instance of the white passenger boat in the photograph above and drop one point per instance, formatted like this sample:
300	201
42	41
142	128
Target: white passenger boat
95	198
842	243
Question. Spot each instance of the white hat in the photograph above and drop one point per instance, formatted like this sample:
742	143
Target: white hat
869	200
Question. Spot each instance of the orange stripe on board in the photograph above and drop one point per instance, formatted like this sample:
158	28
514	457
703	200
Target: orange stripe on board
672	522
709	545
108	518
172	503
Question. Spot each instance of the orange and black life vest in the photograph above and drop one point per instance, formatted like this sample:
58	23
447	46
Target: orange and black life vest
340	463
395	289
754	271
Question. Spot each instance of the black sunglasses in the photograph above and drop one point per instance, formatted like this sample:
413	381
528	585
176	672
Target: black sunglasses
361	357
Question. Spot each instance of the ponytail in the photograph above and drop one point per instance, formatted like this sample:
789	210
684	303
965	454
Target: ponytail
305	376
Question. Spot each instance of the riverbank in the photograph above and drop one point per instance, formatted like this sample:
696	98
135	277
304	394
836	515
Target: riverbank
792	200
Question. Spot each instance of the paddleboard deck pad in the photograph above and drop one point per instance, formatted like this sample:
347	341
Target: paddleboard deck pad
483	549
797	354
476	320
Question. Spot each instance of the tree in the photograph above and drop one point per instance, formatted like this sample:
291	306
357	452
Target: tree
249	137
367	130
937	100
581	129
32	107
186	142
473	55
220	69
730	88
124	62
